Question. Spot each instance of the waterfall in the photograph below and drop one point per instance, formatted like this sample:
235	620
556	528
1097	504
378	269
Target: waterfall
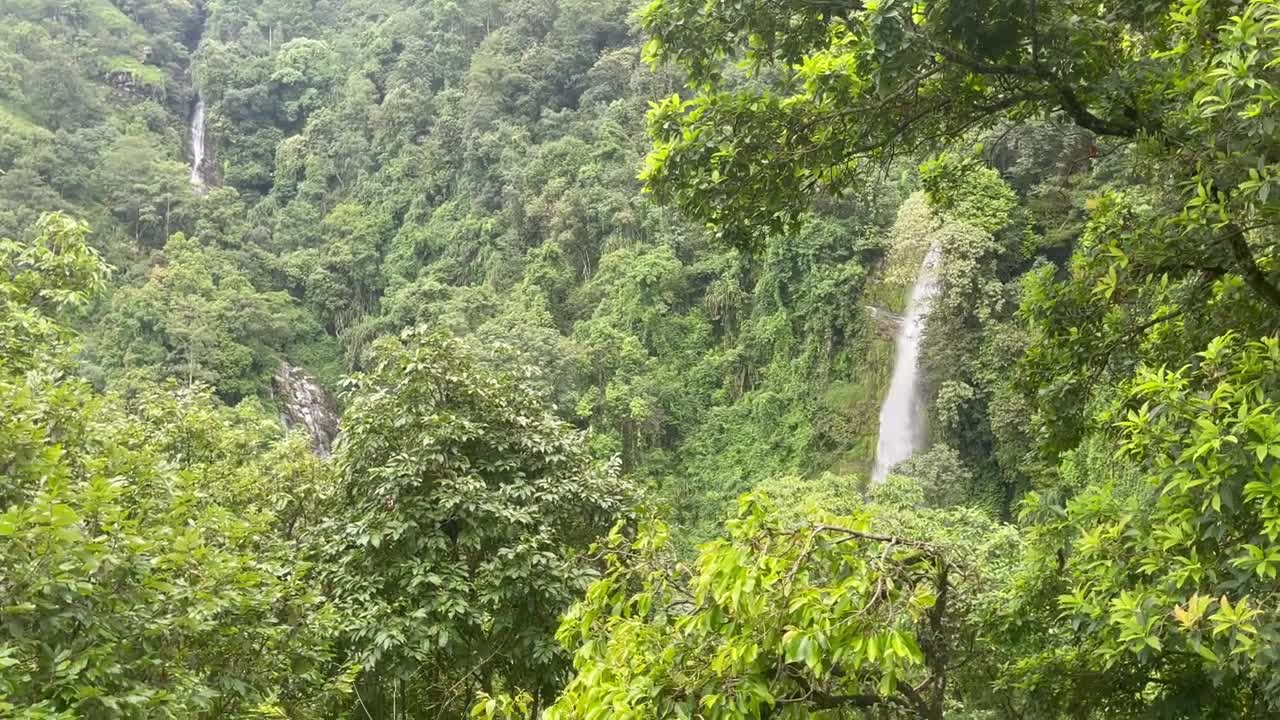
902	416
304	404
197	143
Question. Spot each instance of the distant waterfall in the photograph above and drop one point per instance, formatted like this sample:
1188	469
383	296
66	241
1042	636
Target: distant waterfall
304	404
902	416
197	143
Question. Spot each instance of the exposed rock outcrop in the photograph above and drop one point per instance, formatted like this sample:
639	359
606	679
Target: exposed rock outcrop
305	404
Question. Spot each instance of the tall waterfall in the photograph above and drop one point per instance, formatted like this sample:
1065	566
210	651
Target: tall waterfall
197	143
902	416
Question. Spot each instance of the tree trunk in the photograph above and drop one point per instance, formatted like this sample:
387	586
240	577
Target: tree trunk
1248	266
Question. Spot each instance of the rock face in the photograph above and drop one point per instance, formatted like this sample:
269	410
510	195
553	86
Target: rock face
888	324
304	404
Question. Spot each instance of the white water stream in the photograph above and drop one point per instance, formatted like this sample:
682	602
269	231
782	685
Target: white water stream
197	144
902	415
305	404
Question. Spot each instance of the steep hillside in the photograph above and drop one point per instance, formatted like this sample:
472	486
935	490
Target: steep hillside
619	306
378	165
94	96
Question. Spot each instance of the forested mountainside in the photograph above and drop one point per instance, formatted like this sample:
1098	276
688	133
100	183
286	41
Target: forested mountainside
423	359
369	167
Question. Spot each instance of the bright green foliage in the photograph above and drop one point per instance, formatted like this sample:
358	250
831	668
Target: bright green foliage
459	527
148	568
1174	578
1099	190
803	497
199	319
56	273
1110	315
788	621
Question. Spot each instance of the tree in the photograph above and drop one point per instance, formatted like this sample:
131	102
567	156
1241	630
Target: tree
199	319
1169	579
144	190
128	544
56	273
460	528
304	74
983	241
835	87
829	617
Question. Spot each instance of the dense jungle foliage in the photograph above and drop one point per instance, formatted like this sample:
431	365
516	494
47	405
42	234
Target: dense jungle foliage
606	296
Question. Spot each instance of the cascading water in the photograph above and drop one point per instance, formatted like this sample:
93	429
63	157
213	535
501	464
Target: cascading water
902	416
197	143
304	404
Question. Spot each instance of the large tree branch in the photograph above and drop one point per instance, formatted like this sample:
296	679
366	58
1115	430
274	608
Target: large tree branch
922	707
977	65
1081	115
1248	266
938	649
875	537
830	702
822	700
1066	96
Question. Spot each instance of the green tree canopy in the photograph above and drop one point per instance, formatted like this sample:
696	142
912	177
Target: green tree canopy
461	521
835	87
838	614
148	573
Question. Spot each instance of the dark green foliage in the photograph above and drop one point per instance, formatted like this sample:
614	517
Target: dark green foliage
463	513
199	319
